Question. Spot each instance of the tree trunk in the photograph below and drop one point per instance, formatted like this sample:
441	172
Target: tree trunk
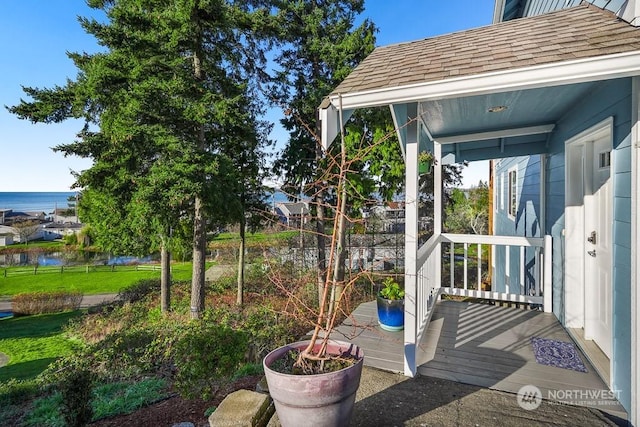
239	297
165	278
339	235
320	232
321	241
199	255
199	224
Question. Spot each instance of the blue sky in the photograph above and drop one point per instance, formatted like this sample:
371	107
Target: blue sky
36	34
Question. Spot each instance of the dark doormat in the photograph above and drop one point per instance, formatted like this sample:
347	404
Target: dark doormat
556	353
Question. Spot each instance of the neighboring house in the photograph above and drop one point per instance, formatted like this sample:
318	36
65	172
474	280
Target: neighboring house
564	86
9	216
57	230
11	220
385	218
6	239
293	214
67	215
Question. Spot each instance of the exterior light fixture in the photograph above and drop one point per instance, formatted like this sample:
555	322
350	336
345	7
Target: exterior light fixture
497	109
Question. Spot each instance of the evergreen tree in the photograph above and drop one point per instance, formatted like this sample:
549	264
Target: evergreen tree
160	103
322	46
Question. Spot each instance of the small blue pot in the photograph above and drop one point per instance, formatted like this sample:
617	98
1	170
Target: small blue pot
390	313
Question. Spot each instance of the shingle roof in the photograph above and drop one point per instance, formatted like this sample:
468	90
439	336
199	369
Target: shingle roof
583	31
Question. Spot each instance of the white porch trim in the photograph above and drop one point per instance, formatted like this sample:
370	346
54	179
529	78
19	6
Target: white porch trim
634	416
569	72
503	133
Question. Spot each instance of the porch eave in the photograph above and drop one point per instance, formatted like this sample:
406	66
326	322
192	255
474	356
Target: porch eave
592	69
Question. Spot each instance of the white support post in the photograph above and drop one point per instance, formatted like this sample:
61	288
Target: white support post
548	285
437	207
437	189
411	244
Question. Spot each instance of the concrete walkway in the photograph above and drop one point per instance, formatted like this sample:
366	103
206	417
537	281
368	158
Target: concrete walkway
388	399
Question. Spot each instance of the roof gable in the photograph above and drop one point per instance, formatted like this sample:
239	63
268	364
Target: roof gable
580	32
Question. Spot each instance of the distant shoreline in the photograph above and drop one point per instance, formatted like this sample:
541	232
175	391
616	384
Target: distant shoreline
35	201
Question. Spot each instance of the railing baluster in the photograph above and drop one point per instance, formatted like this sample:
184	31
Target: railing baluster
452	261
479	267
523	267
507	264
466	249
539	264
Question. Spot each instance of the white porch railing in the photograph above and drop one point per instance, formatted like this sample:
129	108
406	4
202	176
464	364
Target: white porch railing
532	284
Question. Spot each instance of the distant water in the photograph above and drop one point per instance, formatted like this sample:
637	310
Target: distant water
35	201
47	201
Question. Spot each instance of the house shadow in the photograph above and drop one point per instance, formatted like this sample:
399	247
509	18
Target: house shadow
467	349
26	370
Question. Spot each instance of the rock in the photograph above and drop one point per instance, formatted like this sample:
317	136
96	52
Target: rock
243	408
184	424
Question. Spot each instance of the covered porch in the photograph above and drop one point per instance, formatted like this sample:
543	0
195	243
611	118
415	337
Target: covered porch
512	89
484	345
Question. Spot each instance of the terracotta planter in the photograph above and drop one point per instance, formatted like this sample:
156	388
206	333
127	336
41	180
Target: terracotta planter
321	400
390	313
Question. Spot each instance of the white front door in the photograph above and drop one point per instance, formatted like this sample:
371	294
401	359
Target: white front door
598	227
588	234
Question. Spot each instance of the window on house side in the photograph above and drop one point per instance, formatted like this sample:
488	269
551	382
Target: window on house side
513	181
502	191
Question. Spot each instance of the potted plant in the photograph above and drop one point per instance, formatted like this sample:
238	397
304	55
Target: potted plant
426	161
390	301
314	382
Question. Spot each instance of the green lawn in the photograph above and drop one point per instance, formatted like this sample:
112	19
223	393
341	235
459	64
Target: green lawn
32	245
95	282
253	238
32	343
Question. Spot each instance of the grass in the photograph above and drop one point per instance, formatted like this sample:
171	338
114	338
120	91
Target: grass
33	342
108	400
101	281
253	239
32	245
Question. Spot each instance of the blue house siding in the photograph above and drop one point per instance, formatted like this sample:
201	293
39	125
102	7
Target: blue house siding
610	99
622	261
526	222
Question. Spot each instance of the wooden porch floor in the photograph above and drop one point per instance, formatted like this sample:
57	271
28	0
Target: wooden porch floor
478	344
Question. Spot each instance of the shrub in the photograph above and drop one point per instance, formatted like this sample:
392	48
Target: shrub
16	391
206	357
139	290
45	302
76	398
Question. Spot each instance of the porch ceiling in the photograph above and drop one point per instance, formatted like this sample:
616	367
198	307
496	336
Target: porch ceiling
536	67
455	116
469	129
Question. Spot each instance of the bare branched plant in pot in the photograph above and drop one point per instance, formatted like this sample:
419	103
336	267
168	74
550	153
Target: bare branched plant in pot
314	382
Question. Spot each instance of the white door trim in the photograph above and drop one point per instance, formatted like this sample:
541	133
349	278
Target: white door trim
575	234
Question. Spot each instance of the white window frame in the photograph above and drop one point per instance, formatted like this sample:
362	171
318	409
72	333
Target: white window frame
502	188
512	193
